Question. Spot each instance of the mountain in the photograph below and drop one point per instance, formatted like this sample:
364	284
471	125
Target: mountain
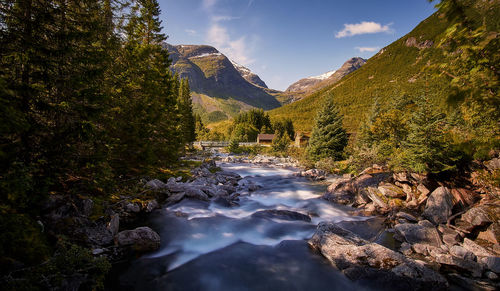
395	71
300	88
249	75
220	87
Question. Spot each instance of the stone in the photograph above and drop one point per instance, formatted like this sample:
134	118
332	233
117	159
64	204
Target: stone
406	216
475	269
423	190
416	233
196	193
463	197
493	164
477	217
175	198
420	249
114	224
141	239
490	275
374	195
133	207
359	258
151	205
401	177
253	187
338	184
392	191
339	197
439	205
492	263
281	214
475	248
156	184
462	253
491	234
368	229
405	249
450	236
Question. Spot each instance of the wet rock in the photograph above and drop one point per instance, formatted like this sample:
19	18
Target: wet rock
339	197
392	191
151	205
490	275
253	187
141	239
98	235
418	233
96	252
359	258
281	214
224	202
439	205
175	198
196	193
465	283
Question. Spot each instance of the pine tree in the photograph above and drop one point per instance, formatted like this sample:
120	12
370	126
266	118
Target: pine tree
185	107
426	148
328	138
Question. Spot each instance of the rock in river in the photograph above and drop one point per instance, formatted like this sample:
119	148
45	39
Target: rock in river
141	239
281	214
363	260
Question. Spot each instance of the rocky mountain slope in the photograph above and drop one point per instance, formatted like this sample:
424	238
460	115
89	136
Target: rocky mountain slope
220	87
310	84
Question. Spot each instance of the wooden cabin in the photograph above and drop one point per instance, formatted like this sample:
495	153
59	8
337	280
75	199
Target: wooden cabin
265	138
301	139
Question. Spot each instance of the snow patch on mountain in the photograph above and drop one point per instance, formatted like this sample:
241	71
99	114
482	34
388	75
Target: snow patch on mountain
206	55
323	76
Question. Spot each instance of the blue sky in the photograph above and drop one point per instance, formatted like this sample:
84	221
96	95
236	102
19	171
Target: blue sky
285	40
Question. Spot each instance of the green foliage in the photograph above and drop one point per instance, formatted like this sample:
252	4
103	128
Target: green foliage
255	117
328	138
284	126
281	143
234	146
426	147
187	124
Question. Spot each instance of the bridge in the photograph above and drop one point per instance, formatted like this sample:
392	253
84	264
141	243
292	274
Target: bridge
218	144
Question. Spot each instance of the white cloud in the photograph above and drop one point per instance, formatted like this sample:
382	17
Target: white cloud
190	31
367	49
364	27
235	49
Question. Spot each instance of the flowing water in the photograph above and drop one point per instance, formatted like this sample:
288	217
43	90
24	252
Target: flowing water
207	246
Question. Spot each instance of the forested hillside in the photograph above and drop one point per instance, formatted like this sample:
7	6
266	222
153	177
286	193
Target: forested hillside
87	103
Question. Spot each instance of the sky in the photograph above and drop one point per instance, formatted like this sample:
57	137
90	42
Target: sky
283	41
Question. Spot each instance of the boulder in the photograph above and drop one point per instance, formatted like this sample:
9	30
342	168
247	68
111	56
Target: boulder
281	214
476	249
156	184
418	233
339	197
492	263
361	259
462	253
391	191
477	217
461	265
141	239
439	205
151	205
133	207
196	193
491	234
172	199
450	236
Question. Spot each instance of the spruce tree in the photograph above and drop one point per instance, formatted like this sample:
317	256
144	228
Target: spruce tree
328	138
426	148
185	107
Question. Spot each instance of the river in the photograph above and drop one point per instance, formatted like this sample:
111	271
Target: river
209	246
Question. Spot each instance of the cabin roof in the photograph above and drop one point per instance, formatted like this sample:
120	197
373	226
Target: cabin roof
265	136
